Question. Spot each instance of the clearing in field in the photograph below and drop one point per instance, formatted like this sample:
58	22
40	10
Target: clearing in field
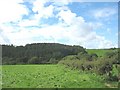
48	76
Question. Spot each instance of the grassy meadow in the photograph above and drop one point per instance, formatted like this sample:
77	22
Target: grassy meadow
100	52
48	76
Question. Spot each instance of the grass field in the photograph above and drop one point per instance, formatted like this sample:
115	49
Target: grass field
99	52
48	76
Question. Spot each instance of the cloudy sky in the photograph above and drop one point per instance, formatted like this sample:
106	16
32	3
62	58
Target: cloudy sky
91	25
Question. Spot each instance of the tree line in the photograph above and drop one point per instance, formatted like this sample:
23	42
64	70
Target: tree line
37	53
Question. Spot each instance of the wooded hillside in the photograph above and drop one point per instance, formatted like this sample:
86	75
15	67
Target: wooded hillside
37	53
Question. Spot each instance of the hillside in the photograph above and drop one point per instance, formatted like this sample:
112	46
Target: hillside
37	53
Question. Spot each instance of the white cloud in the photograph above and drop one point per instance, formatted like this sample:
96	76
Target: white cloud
54	33
25	23
103	12
71	27
11	10
67	16
61	2
38	5
3	38
106	44
42	11
95	25
75	34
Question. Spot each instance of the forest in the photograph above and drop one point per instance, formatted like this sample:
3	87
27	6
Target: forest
37	53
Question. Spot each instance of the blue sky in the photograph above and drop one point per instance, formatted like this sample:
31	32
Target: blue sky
91	25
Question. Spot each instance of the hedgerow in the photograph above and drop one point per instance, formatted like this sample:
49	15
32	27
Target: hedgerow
91	62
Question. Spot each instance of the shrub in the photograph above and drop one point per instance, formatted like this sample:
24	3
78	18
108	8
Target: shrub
113	75
94	57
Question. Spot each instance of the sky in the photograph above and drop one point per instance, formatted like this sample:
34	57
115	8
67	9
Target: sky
88	24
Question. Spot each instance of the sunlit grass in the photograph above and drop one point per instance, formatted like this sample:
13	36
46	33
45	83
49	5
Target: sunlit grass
99	52
48	76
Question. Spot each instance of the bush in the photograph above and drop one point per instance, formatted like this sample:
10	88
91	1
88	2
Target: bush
94	57
113	75
93	63
70	57
84	56
110	54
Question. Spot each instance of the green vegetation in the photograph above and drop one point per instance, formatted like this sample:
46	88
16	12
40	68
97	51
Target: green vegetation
37	53
74	66
100	52
49	76
106	65
119	74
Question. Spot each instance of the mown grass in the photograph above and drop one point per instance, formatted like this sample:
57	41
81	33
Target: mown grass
99	52
48	76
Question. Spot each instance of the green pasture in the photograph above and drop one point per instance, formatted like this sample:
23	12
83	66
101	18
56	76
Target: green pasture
48	76
99	52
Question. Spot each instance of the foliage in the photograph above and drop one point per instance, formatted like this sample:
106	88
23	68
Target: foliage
113	75
94	63
44	52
